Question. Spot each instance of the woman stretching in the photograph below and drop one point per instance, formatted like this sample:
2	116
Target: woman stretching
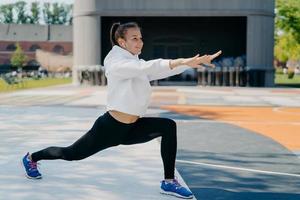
129	92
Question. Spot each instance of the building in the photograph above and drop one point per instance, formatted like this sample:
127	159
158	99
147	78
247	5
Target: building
181	28
52	38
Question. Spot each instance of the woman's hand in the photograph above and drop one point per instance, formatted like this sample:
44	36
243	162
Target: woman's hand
195	61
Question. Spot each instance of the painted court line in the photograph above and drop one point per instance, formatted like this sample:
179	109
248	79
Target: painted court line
239	168
280	110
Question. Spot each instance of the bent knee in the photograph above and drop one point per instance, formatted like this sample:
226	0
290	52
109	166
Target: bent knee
171	124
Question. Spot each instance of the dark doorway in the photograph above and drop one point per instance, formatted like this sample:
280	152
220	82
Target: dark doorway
173	37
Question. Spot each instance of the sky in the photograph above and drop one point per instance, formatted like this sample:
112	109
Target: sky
41	1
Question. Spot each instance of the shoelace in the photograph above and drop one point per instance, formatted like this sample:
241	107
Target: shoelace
176	183
33	165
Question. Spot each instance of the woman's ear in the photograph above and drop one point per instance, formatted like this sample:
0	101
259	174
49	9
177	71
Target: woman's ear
121	42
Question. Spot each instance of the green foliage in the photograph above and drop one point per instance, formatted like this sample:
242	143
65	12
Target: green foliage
52	13
288	17
287	48
66	16
18	58
47	13
19	8
57	13
291	74
287	30
6	13
35	13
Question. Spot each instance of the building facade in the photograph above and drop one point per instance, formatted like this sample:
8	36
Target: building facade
52	38
177	28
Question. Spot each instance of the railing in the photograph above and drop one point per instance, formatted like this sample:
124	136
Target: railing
231	76
219	76
91	75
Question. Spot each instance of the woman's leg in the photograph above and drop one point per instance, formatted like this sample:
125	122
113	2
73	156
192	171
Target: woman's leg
148	128
81	149
98	138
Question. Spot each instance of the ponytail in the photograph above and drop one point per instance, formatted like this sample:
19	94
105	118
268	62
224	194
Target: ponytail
113	29
118	30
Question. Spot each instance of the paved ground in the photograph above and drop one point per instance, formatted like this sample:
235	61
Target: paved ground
233	143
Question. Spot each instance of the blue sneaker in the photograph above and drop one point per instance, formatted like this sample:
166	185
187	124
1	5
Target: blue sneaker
175	189
31	168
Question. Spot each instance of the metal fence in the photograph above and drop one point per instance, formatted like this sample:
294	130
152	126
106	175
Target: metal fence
241	77
231	76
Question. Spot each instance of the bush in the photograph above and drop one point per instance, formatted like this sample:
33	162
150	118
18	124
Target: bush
291	74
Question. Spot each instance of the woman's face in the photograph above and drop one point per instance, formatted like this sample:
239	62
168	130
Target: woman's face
133	41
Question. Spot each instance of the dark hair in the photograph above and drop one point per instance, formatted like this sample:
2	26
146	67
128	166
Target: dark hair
119	30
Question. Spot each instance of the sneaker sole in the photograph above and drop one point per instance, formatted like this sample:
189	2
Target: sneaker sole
175	194
30	177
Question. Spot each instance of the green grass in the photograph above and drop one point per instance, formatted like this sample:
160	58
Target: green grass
282	79
31	83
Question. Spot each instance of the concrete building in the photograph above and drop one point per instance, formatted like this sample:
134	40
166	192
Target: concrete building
52	38
180	28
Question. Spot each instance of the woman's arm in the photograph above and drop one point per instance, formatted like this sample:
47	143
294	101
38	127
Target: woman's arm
179	65
165	74
129	68
195	61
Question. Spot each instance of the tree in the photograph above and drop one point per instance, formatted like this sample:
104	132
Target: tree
19	8
287	30
47	13
6	13
35	13
288	17
287	48
66	14
57	13
51	13
18	58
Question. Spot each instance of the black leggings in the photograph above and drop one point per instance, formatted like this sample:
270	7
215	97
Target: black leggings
107	132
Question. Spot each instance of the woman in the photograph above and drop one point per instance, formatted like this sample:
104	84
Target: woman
128	97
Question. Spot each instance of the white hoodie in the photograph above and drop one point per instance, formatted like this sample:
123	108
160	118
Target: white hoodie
128	80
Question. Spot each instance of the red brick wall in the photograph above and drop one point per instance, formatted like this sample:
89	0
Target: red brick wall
25	45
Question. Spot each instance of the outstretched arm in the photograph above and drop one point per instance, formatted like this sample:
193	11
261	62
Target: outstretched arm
179	65
194	62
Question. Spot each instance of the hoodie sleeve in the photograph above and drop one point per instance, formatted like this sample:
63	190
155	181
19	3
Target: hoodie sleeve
123	67
165	74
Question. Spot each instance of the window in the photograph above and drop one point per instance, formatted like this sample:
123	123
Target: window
11	47
58	49
34	47
6	62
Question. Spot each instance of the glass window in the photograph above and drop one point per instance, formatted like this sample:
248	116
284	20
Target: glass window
58	49
11	47
34	47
